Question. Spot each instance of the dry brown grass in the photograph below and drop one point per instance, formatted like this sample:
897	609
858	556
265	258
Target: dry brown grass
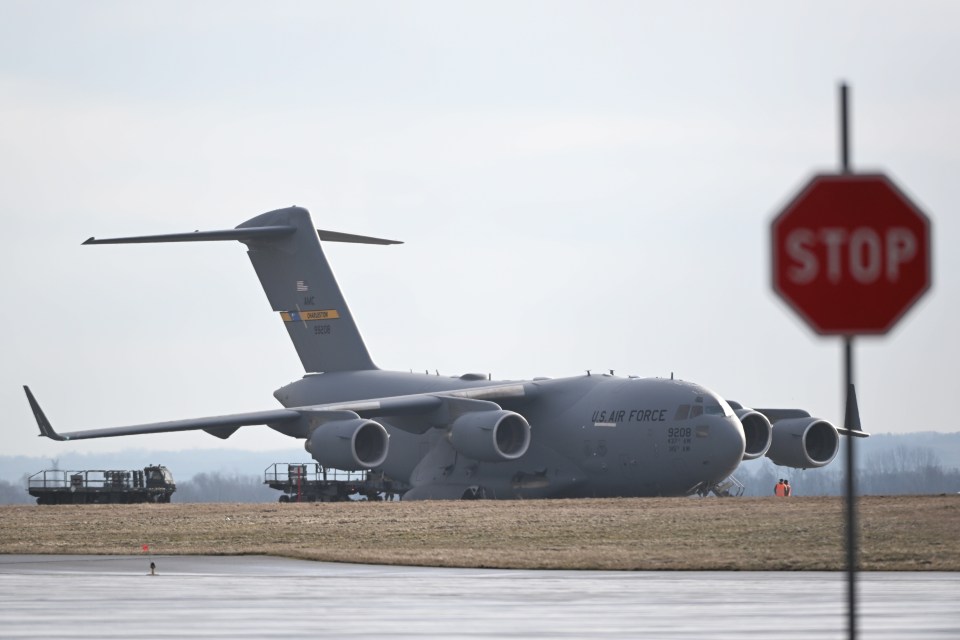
897	533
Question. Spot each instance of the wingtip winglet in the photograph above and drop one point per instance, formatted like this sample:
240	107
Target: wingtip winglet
46	430
851	419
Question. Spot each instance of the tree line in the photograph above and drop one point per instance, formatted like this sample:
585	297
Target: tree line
219	487
903	470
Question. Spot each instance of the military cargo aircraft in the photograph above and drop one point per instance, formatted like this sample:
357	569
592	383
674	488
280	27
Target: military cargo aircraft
470	436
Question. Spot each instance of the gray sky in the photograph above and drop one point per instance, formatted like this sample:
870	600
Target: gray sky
580	185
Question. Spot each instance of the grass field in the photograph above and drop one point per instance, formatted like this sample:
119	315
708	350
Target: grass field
902	533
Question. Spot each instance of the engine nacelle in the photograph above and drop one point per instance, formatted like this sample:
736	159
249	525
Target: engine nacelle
758	433
491	436
349	445
803	443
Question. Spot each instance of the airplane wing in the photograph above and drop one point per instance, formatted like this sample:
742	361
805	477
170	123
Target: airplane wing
851	421
220	426
435	409
446	404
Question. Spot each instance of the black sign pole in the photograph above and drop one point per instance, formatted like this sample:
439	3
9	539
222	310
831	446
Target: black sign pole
851	495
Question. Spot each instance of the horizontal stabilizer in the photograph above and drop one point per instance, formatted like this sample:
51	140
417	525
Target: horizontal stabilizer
243	234
248	233
337	236
284	247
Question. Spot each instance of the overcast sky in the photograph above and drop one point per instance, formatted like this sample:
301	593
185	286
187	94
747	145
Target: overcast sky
580	185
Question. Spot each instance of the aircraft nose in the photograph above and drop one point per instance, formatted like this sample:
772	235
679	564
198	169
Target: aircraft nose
733	439
726	443
729	439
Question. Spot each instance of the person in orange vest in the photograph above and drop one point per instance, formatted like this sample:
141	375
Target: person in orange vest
789	489
780	490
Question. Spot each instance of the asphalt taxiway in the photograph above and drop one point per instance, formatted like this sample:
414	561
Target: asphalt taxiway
257	597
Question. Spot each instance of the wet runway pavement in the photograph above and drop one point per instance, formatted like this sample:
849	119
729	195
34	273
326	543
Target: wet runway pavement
263	597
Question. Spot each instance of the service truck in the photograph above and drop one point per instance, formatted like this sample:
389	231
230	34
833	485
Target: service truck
153	483
312	482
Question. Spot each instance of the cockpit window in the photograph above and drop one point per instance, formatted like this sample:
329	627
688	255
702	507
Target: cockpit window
711	406
713	410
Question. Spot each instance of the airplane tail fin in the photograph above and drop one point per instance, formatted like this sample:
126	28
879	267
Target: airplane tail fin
284	248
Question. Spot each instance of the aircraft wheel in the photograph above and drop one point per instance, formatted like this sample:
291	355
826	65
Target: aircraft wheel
474	493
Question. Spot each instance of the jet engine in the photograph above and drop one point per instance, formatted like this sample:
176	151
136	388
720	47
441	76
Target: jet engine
349	445
758	432
803	443
491	436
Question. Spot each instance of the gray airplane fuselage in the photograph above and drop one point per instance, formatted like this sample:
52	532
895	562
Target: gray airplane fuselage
591	435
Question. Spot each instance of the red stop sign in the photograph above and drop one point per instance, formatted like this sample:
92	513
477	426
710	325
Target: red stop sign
851	253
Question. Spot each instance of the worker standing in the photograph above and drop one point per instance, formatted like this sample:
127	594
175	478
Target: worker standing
780	490
788	489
